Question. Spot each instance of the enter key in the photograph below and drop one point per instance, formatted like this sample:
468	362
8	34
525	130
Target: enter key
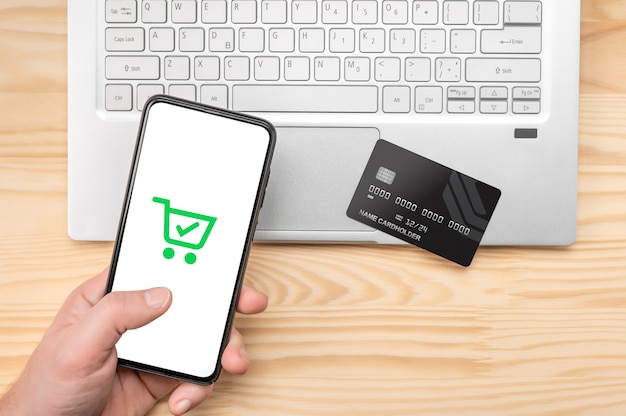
512	39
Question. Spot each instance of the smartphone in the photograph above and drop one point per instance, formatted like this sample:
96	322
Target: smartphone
196	186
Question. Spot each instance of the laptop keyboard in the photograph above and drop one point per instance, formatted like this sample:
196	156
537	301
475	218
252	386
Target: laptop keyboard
330	56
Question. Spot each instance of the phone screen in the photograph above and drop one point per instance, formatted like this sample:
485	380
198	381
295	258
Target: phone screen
188	220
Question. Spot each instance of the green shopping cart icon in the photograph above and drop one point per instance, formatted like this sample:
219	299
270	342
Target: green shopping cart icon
192	235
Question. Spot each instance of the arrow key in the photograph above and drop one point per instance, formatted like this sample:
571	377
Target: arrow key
526	107
494	93
494	106
461	106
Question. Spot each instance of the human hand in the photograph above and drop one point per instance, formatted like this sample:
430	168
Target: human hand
74	369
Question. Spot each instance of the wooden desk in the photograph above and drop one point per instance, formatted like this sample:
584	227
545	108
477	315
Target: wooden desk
353	329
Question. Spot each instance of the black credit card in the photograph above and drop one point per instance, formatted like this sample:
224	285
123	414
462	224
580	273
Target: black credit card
423	203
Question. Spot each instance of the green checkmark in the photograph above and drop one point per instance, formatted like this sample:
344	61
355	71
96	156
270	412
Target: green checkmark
182	231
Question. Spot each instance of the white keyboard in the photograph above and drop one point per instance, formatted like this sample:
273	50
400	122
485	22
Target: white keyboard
330	56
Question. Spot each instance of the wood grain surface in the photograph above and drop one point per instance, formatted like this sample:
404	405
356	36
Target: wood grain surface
353	329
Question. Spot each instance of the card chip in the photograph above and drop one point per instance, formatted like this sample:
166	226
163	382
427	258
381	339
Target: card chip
385	175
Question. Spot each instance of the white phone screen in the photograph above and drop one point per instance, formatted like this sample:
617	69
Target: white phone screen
196	181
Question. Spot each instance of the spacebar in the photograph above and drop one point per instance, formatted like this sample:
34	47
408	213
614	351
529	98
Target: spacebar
306	98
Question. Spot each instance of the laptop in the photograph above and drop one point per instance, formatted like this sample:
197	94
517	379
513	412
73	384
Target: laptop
486	87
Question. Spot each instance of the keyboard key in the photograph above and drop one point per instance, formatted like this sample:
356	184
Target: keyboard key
526	107
494	93
251	39
395	12
341	40
461	106
319	98
121	11
274	11
494	106
184	11
145	91
297	68
215	95
503	70
243	11
191	39
463	41
417	69
213	11
364	12
522	12
402	40
461	93
512	39
455	12
154	11
132	67
387	69
207	68
304	12
428	99
118	97
396	99
334	11
237	68
124	39
311	40
177	68
266	68
357	69
188	92
486	12
432	41
161	39
372	40
526	93
425	12
448	69
326	68
221	39
281	40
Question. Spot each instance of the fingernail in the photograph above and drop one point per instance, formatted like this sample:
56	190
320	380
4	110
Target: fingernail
157	297
183	406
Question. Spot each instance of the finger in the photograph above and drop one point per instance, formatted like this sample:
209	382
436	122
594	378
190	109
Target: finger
251	301
118	312
94	289
82	299
187	396
235	358
157	385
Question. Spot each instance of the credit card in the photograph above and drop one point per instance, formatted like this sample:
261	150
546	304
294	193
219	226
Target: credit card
423	203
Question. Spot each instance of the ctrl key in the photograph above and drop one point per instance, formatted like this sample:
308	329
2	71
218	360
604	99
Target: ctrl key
118	97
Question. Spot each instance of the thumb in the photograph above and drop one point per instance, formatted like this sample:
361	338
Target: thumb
118	312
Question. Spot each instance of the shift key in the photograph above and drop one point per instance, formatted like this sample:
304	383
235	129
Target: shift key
503	70
132	67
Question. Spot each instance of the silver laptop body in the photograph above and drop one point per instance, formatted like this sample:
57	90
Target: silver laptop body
488	88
